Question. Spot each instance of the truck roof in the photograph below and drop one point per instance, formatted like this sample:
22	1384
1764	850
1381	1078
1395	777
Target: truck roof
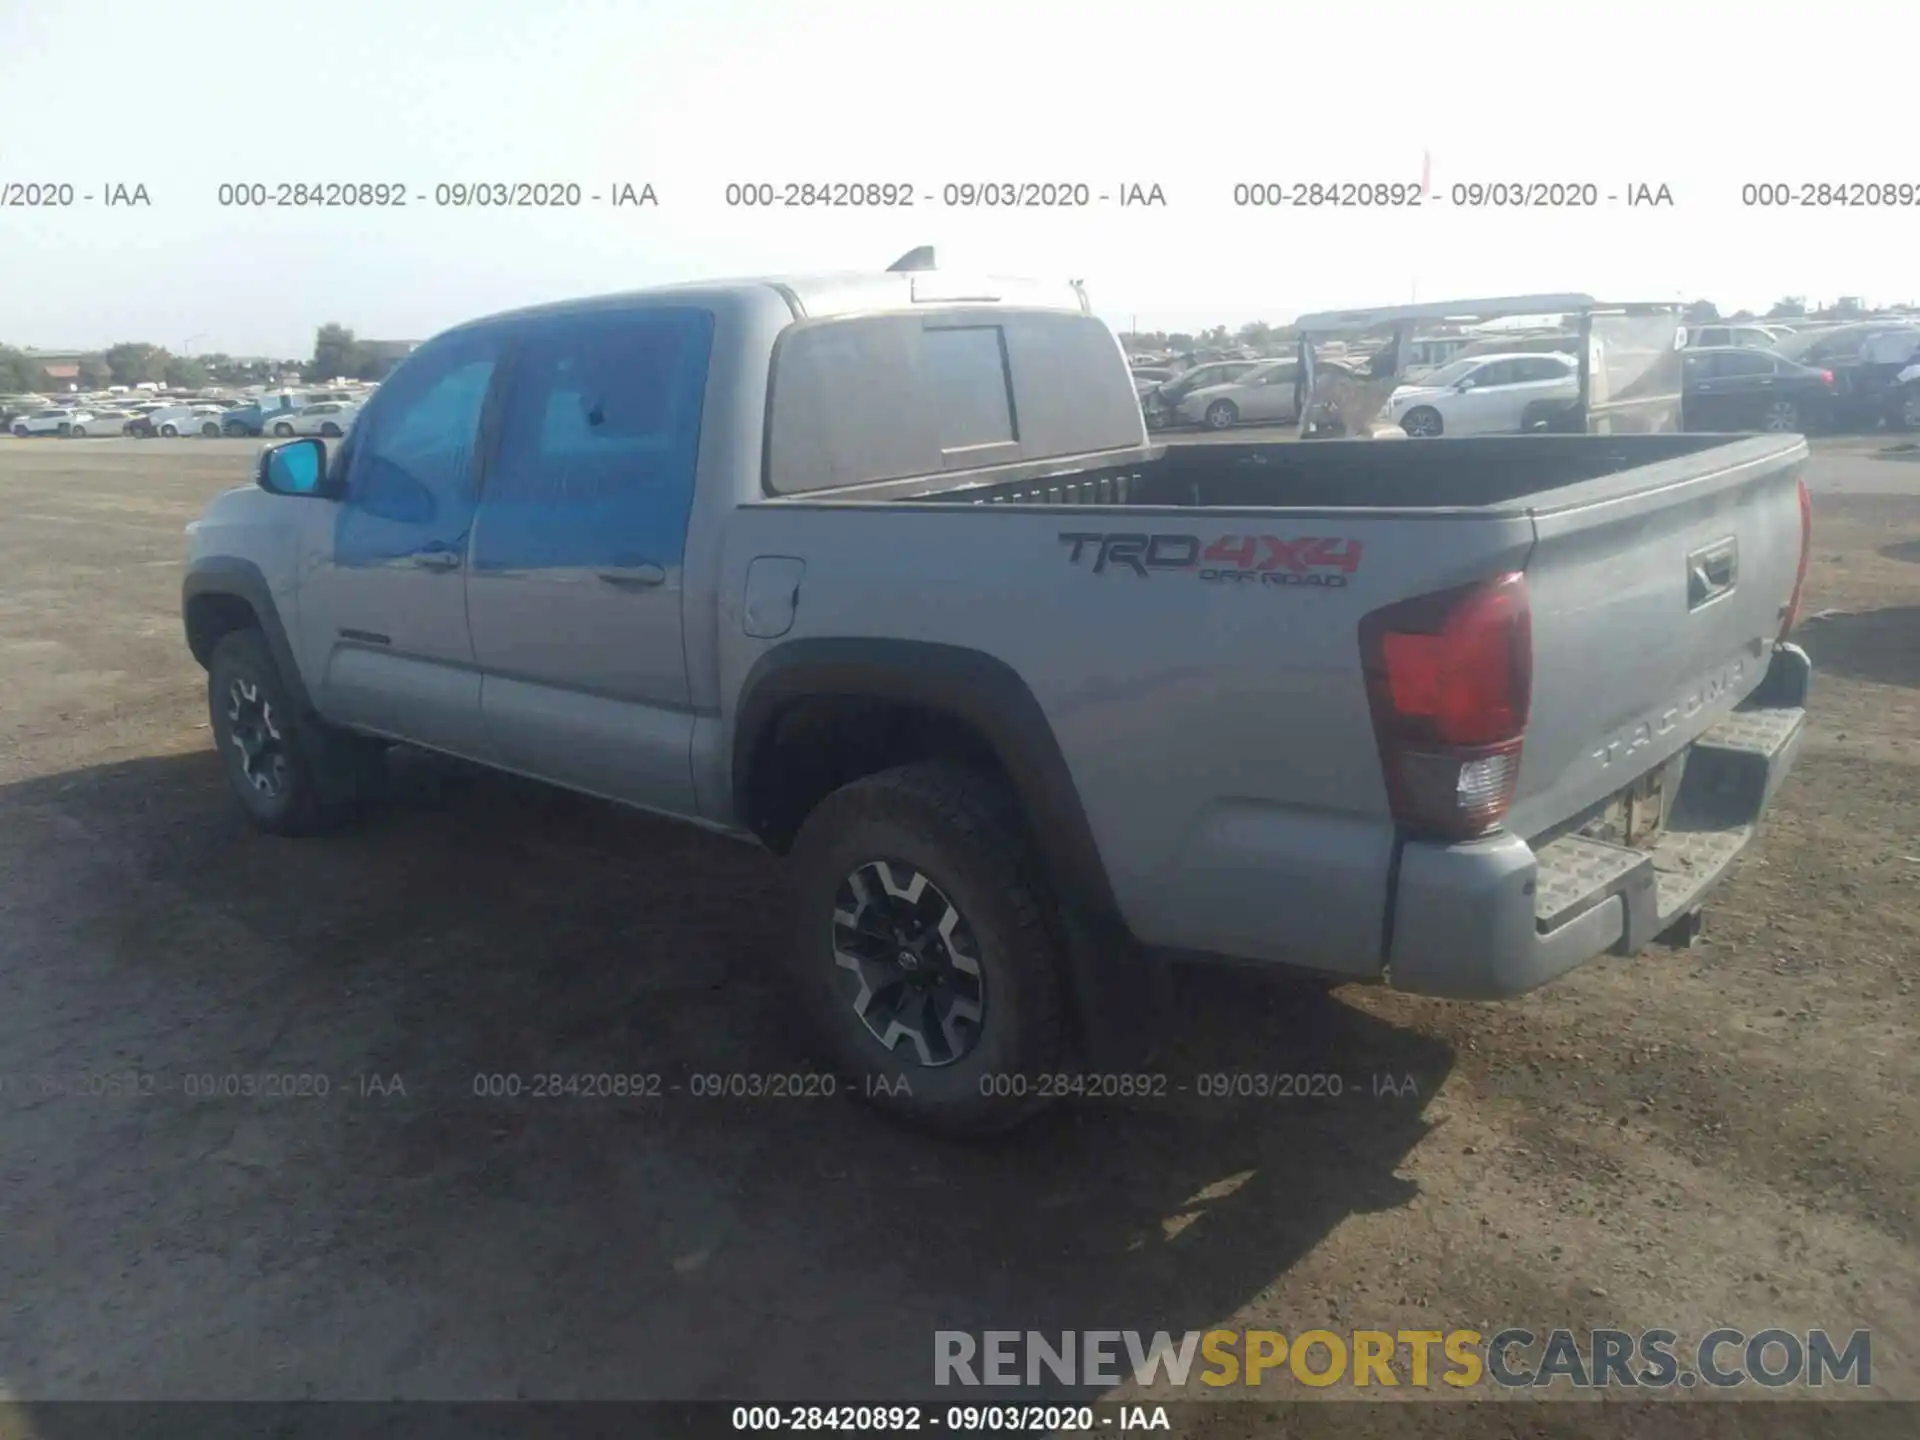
822	295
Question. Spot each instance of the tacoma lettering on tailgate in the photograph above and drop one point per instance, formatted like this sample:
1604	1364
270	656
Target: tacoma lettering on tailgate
1232	559
1638	736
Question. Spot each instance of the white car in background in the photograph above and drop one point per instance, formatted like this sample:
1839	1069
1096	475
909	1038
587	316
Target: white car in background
172	420
329	418
106	420
49	422
1484	395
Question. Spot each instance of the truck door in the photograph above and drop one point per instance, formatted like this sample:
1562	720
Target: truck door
383	611
575	590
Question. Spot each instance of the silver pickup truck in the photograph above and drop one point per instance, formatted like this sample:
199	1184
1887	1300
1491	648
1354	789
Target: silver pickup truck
881	572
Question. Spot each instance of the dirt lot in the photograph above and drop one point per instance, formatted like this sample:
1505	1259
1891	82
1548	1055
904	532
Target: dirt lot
1727	1136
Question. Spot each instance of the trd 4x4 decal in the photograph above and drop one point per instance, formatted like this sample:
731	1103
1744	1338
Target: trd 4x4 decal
1232	559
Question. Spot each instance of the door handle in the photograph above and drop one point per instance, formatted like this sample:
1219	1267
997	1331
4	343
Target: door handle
437	559
634	577
1711	572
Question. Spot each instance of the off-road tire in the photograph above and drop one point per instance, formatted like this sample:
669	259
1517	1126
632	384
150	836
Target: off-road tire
329	774
961	829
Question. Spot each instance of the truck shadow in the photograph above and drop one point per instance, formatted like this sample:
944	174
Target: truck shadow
448	1238
1880	646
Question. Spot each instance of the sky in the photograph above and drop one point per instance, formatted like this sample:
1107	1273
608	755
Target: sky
688	98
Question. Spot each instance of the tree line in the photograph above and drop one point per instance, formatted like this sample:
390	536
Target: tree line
337	354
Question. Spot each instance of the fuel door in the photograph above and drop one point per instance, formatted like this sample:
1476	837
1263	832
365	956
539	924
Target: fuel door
772	597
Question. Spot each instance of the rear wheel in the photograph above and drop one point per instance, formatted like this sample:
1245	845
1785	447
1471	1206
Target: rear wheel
330	430
1907	413
234	431
283	429
1780	416
1222	415
922	950
211	429
293	773
1423	422
170	430
78	432
20	432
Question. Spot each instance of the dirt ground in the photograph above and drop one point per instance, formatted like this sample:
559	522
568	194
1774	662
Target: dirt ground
1724	1136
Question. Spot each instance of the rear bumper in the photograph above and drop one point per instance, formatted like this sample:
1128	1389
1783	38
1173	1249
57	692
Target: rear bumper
1495	917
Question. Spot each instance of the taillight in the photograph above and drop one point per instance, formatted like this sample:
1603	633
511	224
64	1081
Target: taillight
1449	678
1792	612
1826	378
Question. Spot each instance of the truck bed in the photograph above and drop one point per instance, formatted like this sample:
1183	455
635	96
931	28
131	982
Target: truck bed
1468	473
1204	604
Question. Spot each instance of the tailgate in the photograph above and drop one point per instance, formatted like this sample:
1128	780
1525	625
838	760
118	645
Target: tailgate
1657	594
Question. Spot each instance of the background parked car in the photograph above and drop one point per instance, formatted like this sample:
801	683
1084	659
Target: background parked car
49	422
103	421
139	417
1484	394
1866	359
171	420
1730	388
1160	402
254	417
1264	394
330	418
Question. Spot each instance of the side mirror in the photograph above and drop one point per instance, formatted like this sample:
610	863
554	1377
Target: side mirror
1462	386
299	468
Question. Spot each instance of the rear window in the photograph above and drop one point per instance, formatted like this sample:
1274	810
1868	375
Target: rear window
886	397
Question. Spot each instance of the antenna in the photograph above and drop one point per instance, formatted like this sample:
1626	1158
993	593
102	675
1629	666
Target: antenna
919	258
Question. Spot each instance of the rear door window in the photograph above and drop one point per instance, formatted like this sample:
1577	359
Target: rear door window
599	440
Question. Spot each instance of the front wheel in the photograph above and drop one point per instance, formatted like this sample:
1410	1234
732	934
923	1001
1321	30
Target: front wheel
921	948
1423	422
283	429
1222	415
1780	417
170	431
234	432
20	432
292	773
211	430
78	432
